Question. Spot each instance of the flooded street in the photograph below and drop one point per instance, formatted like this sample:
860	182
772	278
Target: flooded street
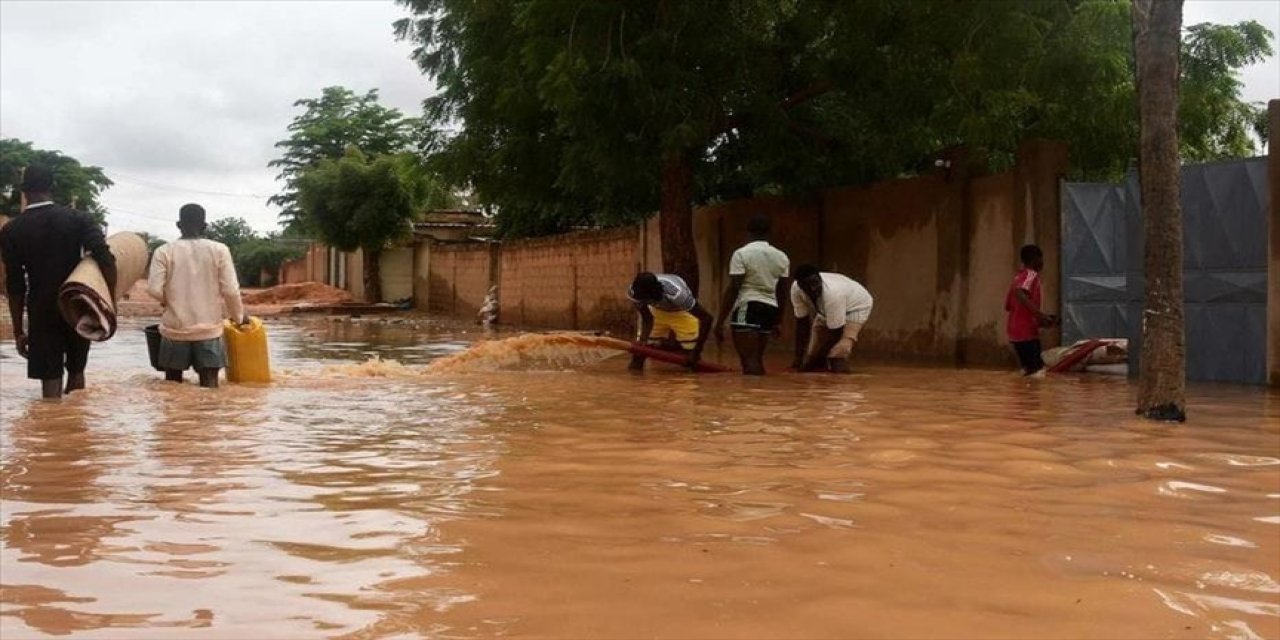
894	503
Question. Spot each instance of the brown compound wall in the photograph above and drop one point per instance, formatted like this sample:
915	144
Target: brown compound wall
574	281
459	278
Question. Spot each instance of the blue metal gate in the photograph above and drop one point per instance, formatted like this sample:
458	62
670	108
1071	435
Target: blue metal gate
1224	209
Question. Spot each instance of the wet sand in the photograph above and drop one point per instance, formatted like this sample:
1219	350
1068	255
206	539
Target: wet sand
894	503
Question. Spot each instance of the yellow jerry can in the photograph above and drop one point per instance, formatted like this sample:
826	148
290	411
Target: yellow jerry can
247	357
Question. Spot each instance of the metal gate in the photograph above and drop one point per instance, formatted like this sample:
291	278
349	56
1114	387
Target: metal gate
1224	209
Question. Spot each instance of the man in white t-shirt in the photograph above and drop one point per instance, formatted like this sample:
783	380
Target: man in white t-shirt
757	284
195	279
830	311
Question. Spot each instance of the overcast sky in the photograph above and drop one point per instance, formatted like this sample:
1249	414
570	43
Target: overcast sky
183	101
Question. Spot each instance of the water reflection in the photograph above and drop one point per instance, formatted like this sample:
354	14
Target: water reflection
894	503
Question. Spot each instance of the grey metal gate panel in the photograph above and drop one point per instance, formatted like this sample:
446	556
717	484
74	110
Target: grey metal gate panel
1094	261
1224	209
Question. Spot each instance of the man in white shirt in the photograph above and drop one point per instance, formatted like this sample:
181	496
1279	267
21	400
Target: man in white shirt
194	277
830	311
757	283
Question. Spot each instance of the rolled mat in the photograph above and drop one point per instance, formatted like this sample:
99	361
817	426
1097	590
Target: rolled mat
84	299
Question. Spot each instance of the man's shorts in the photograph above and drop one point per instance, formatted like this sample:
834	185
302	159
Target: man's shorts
1030	357
55	346
754	316
681	325
202	354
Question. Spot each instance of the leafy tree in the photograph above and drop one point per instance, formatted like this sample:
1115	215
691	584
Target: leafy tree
74	184
366	202
259	254
338	119
232	232
600	111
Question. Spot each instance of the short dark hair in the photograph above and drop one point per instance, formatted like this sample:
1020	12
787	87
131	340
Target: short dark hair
191	213
37	178
1029	253
805	271
646	287
760	225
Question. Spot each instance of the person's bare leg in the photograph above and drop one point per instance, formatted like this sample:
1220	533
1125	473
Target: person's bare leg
208	378
173	376
760	346
744	344
75	381
51	389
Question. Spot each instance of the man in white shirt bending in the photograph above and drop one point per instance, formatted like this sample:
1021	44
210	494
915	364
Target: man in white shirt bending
757	286
830	311
195	279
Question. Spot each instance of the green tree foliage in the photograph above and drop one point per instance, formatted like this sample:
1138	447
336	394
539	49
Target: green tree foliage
367	202
254	253
232	232
601	111
74	185
267	253
338	119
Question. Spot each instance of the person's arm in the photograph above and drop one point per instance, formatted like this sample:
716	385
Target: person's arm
1025	300
817	360
780	294
229	286
16	287
95	244
704	331
803	325
158	276
646	328
726	303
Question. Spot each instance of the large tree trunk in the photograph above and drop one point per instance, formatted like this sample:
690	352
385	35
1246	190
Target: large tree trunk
679	254
373	275
1157	26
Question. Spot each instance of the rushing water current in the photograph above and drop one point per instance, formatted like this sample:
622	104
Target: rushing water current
375	501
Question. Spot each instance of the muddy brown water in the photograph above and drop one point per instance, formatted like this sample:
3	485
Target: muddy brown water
375	502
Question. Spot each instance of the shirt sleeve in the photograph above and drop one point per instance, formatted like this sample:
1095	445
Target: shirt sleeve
737	265
94	242
15	276
1025	280
158	276
230	284
799	302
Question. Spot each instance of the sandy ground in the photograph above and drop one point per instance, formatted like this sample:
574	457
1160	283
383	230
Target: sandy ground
138	303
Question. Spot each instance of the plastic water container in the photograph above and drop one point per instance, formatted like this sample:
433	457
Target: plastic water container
247	357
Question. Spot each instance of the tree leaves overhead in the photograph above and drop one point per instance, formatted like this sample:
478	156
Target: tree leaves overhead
74	184
364	202
561	112
338	119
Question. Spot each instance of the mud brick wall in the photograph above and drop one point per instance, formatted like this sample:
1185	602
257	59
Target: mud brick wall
575	281
459	278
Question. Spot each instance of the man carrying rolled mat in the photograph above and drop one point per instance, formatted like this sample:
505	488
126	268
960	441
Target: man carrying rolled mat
193	277
41	247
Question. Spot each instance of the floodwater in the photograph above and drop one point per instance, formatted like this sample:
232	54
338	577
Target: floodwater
375	502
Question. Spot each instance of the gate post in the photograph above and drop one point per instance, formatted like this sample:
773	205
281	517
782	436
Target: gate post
1273	260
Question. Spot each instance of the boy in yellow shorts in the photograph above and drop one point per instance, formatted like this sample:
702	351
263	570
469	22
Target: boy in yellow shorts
670	316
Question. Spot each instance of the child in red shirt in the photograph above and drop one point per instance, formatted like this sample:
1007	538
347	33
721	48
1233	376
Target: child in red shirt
1025	319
